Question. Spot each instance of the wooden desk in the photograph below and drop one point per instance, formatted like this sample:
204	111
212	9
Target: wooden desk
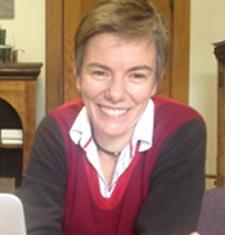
18	89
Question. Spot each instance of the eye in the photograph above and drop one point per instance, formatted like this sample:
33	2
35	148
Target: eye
138	76
99	73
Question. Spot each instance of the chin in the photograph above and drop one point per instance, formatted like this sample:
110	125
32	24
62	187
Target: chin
113	131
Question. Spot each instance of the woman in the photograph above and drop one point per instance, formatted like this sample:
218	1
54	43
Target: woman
121	161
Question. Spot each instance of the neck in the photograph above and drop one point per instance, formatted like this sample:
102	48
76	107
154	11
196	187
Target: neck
102	149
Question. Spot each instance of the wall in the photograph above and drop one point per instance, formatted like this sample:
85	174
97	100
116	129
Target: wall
27	32
207	27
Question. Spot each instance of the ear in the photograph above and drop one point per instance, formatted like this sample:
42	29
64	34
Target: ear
157	82
77	77
78	82
154	88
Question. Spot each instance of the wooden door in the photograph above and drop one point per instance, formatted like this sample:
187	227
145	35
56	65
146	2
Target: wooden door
167	11
74	11
63	17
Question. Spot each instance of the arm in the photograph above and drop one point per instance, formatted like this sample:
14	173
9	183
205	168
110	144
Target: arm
177	184
44	183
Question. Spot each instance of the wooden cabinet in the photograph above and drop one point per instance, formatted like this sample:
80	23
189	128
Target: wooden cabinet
17	92
220	55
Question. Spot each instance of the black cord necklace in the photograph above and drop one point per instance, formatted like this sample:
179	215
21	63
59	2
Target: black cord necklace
111	153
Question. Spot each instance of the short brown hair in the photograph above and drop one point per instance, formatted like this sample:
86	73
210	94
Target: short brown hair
128	18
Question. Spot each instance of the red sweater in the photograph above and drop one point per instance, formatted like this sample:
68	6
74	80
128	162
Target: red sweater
160	192
86	211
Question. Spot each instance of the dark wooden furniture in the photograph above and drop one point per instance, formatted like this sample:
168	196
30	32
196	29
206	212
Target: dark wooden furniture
17	104
220	55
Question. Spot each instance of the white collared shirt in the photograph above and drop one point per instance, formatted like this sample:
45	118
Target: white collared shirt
80	133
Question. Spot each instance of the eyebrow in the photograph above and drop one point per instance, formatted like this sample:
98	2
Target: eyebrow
99	65
141	67
135	68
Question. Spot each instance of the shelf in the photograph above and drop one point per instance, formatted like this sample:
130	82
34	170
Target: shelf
11	146
19	71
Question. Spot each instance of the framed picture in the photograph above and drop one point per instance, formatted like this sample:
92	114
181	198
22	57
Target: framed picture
6	9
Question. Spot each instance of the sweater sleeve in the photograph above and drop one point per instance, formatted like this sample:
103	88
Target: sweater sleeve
44	182
177	184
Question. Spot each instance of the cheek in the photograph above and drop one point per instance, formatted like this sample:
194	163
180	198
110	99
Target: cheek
86	95
91	89
89	92
142	94
86	88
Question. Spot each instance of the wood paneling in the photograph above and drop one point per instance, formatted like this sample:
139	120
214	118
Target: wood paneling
72	17
54	53
180	50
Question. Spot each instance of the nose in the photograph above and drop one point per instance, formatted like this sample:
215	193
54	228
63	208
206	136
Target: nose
116	89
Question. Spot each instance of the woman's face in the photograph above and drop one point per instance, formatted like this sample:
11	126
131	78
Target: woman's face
116	82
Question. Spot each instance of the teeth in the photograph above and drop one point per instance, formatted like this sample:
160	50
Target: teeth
114	112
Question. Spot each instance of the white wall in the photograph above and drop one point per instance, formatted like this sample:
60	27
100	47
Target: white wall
207	27
27	32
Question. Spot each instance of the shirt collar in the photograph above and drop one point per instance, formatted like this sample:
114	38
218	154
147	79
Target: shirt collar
143	131
80	131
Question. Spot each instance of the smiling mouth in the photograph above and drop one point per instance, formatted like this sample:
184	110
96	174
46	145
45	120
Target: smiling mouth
114	112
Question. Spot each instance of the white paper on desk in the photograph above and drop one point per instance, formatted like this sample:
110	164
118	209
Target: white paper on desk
11	141
11	134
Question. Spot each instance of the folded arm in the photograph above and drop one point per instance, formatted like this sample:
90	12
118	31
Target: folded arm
177	184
